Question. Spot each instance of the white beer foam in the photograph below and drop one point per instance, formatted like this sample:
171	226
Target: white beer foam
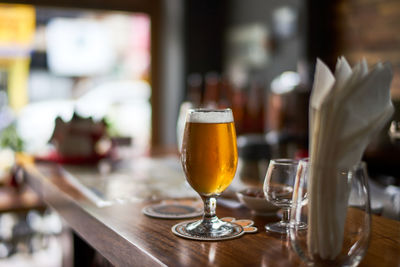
209	116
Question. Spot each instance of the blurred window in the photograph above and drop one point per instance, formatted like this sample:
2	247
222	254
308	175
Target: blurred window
94	63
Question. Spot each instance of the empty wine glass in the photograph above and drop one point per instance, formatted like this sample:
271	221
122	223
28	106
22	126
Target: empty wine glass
278	189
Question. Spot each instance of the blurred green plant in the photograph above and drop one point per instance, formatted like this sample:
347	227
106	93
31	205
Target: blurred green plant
111	127
9	138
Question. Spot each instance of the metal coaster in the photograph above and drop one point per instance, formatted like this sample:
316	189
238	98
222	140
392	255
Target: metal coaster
173	211
180	230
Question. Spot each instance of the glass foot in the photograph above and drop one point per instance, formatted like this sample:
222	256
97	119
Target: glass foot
198	230
282	227
278	227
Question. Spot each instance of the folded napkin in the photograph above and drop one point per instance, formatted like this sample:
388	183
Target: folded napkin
347	109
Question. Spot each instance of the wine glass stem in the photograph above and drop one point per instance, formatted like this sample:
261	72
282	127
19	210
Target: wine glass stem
285	216
210	204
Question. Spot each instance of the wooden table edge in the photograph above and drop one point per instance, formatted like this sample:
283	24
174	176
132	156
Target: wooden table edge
70	209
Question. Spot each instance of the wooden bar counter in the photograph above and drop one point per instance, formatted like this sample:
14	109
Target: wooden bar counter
127	237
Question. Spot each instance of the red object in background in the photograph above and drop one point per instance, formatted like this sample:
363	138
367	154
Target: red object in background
301	154
15	181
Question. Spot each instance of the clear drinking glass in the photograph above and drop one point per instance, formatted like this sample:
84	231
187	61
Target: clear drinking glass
209	159
344	242
278	189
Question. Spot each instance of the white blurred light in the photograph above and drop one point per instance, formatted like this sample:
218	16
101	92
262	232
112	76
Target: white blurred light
284	19
78	47
36	122
285	82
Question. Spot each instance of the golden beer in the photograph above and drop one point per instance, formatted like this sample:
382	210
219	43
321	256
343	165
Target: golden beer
209	156
209	159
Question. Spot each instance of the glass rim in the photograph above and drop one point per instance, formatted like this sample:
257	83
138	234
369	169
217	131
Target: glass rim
285	161
207	110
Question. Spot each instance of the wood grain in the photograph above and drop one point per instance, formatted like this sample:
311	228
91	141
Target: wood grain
126	237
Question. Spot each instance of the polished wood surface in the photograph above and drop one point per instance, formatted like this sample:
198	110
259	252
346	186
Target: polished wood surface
126	237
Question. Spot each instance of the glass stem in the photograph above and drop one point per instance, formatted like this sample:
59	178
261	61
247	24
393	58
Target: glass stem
210	204
285	216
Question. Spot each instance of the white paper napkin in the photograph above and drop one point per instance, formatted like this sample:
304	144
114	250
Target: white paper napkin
347	109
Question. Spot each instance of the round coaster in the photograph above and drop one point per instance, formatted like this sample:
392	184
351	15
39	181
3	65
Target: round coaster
173	211
180	230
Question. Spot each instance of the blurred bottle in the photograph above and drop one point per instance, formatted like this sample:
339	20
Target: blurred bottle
211	90
225	93
194	89
239	100
254	110
287	111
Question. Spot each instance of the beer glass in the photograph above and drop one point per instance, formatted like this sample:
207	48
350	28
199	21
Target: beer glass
209	159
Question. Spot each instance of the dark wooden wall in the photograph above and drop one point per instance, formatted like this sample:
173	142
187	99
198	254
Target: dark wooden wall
371	28
356	29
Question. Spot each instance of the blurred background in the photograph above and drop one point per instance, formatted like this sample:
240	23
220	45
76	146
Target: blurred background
80	78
